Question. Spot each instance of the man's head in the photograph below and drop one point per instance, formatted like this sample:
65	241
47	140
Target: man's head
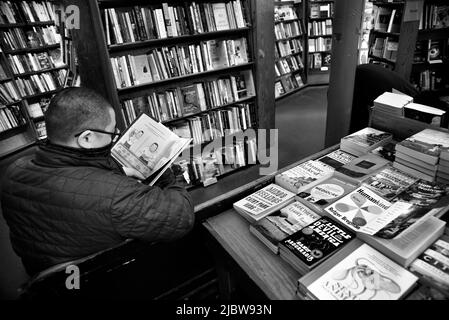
74	117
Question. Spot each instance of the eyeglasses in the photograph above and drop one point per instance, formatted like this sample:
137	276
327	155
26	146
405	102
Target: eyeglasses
114	134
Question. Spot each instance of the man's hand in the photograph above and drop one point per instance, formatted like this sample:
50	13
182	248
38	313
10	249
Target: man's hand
133	173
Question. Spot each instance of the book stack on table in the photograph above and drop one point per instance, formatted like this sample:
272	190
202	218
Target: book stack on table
392	103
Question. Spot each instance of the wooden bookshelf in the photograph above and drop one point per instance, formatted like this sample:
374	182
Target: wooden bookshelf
97	72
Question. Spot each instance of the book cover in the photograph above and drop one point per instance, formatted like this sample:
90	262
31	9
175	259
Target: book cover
425	145
365	140
317	241
423	198
432	266
190	99
325	193
276	227
337	158
142	68
303	175
148	147
263	202
361	168
364	274
390	182
220	16
361	210
387	151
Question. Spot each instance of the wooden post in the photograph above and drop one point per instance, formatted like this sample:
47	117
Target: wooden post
347	23
409	34
93	56
263	41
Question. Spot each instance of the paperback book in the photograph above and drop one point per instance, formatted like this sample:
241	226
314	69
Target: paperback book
306	248
390	182
279	225
358	272
263	202
303	176
361	168
337	158
387	151
361	210
364	141
325	193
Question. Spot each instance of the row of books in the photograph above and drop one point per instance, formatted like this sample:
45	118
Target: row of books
287	65
216	124
430	80
222	160
320	44
169	62
138	23
386	48
284	13
40	83
285	48
287	30
319	28
11	117
387	19
35	37
191	99
29	62
26	11
434	16
287	83
312	214
318	10
319	61
8	93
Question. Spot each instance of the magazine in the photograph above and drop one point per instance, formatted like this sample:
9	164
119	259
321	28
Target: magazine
148	147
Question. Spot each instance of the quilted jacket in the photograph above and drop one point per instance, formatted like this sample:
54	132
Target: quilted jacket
62	204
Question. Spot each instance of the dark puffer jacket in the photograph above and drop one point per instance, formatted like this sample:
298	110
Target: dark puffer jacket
62	204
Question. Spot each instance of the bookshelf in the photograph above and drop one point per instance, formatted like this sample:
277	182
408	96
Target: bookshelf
201	80
289	48
319	14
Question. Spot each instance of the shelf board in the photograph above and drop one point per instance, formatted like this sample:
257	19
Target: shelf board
208	110
26	24
381	59
5	80
385	33
320	36
289	38
328	51
12	131
30	73
287	74
30	50
440	33
313	19
180	39
37	95
286	21
317	71
382	3
281	3
185	77
291	92
289	55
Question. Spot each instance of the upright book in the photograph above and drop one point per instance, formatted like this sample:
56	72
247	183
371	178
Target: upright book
357	272
313	244
277	226
148	147
263	202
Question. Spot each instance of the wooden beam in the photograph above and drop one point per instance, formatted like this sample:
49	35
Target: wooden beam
347	23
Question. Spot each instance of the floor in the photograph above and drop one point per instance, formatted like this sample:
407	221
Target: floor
301	119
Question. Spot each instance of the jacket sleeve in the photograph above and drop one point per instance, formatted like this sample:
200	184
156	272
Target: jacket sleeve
151	213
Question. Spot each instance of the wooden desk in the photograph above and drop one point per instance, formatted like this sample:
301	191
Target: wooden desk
275	277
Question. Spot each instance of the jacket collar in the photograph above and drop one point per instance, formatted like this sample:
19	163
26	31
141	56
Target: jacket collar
57	156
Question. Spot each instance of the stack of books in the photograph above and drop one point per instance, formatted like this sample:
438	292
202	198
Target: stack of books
365	140
425	114
392	103
443	167
419	154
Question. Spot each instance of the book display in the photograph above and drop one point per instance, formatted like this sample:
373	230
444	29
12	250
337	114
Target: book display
289	30
190	66
34	67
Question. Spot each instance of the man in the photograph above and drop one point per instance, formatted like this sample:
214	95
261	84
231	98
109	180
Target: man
71	199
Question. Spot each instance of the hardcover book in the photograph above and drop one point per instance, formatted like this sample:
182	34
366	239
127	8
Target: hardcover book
389	182
303	176
336	158
358	272
313	244
422	198
361	210
425	145
263	202
361	168
325	193
279	225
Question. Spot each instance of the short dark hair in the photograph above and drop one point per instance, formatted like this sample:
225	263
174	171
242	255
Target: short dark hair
74	110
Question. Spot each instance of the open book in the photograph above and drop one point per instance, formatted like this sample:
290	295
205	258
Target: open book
148	147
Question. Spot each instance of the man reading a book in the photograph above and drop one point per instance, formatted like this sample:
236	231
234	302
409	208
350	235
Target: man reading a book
72	199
